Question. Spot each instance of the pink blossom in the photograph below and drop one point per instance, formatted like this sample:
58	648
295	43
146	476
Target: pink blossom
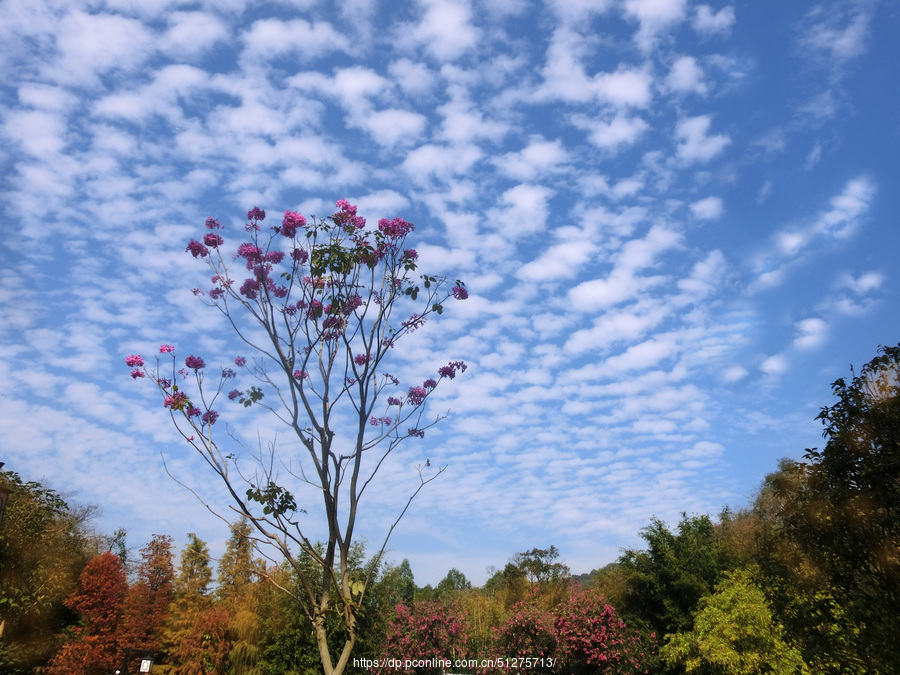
136	373
240	361
213	240
460	293
134	360
197	249
291	222
256	213
166	349
416	396
395	228
194	362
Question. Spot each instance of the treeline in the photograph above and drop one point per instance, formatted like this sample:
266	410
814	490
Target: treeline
805	579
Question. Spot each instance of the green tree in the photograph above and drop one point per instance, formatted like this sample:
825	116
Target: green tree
734	634
840	511
238	592
43	548
453	583
665	582
195	632
541	566
399	583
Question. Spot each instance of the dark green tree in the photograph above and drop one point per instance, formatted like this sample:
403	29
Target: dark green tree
453	583
841	511
43	548
665	582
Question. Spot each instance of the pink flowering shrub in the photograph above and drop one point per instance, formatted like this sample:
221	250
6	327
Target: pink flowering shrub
530	632
593	639
428	632
581	635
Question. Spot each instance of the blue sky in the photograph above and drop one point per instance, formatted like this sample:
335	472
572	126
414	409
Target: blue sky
677	222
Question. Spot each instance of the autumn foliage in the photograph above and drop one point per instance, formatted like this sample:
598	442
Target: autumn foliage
92	648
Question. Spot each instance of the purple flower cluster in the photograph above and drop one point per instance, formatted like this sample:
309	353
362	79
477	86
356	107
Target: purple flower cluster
197	249
212	240
234	393
361	359
210	416
194	362
416	395
395	228
300	375
414	322
416	432
460	293
240	361
212	224
393	400
256	213
291	222
347	215
176	401
377	421
451	369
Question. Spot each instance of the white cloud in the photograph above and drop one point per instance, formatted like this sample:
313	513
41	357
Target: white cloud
191	34
705	276
539	158
565	77
440	161
523	210
654	17
694	142
445	29
709	23
614	133
709	208
310	40
686	76
90	45
622	283
839	35
847	208
390	127
413	78
463	123
864	283
774	365
810	333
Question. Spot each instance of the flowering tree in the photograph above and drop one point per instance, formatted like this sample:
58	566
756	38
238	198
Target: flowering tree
318	302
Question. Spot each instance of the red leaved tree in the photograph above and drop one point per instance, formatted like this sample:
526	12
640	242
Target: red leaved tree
147	601
93	645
